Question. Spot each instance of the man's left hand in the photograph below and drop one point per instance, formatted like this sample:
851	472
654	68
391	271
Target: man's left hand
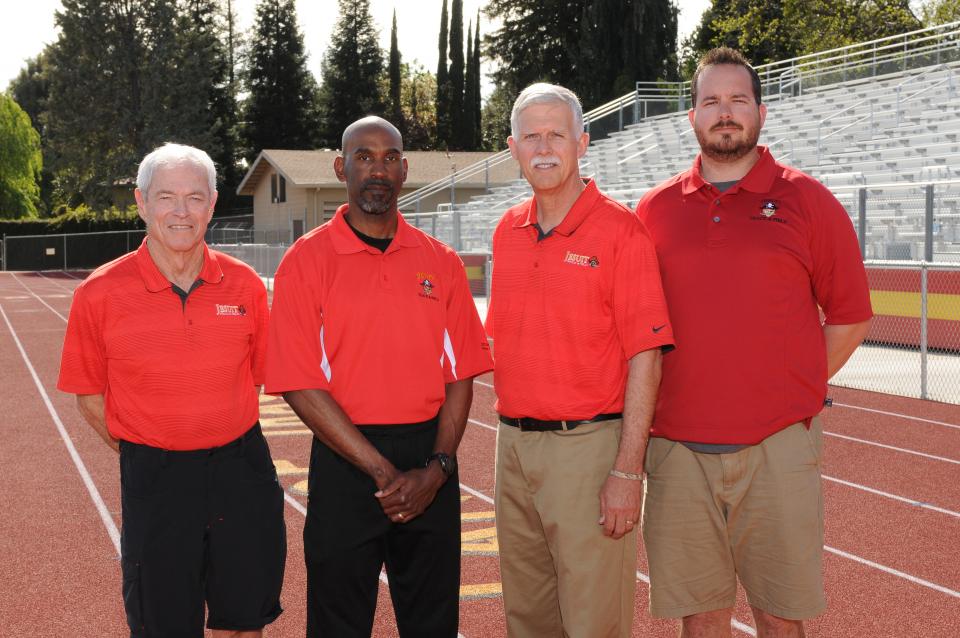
410	493
619	506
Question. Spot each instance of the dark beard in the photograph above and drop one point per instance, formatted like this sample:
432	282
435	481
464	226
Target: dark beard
727	150
377	202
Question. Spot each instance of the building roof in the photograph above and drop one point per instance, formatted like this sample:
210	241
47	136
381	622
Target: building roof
314	169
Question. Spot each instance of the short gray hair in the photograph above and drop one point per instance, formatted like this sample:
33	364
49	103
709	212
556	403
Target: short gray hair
171	154
541	93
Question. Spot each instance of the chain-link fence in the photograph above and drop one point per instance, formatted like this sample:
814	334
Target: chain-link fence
913	347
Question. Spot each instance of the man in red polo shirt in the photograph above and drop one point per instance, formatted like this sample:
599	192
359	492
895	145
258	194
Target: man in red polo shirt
749	249
578	322
165	352
374	341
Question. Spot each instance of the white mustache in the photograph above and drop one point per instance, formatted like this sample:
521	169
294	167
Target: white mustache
541	161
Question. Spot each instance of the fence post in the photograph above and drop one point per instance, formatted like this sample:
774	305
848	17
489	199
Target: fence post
457	241
862	221
4	256
620	117
928	225
486	175
923	330
64	251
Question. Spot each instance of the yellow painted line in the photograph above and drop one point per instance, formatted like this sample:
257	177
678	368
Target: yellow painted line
480	542
486	590
300	488
276	422
477	517
907	304
286	468
474	272
465	497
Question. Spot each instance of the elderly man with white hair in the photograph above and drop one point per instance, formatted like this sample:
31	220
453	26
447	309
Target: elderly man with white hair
165	352
578	323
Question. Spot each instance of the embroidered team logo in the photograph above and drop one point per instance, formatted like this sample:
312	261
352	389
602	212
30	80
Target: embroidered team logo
768	208
581	260
428	284
230	311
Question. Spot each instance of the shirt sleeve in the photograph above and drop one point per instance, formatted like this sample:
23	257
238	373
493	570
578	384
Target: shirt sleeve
261	314
640	310
839	278
83	362
465	346
296	356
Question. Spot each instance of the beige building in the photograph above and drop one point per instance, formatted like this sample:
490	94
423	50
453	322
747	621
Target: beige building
295	191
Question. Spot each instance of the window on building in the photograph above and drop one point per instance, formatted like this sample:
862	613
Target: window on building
278	189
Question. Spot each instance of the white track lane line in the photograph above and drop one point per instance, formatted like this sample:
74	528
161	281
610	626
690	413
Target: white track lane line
39	298
902	499
72	276
55	282
894	448
105	516
864	561
850	438
896	414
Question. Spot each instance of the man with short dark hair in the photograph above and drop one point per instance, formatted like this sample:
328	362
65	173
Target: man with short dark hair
165	352
750	250
374	342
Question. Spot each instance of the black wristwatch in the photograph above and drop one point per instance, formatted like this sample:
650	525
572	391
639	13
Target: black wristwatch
447	463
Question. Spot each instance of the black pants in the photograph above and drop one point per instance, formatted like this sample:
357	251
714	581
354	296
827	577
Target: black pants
347	539
203	526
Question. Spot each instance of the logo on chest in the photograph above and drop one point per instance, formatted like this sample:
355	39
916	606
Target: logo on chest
768	212
428	285
581	260
224	310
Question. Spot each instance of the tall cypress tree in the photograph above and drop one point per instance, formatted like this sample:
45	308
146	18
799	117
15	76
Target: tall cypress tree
477	80
351	70
455	140
396	109
281	108
443	84
469	116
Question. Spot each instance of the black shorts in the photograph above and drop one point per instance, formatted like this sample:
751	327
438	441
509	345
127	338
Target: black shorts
203	526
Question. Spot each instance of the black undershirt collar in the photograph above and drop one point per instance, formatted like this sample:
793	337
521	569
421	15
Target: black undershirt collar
380	243
183	294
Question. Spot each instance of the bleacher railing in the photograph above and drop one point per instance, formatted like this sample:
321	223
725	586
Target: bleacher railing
795	76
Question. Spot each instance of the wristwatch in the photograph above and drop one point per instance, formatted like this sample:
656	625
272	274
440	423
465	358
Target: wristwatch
447	463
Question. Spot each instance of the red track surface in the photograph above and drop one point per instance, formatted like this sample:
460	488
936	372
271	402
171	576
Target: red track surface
892	566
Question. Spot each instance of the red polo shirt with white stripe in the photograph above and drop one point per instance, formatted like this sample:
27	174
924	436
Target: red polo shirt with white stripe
568	311
382	332
744	272
174	376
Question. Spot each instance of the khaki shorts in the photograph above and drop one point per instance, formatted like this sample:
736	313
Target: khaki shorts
756	514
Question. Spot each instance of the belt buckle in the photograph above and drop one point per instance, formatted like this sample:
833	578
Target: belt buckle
563	425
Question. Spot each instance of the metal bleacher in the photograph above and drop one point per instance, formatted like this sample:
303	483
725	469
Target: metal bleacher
877	122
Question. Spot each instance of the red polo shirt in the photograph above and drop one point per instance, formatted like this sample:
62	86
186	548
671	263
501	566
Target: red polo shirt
568	311
173	376
744	272
382	332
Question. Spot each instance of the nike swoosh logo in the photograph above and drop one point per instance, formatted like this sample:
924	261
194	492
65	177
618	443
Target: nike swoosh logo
659	328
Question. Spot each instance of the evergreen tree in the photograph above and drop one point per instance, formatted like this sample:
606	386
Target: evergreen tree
443	84
94	118
396	108
469	125
456	138
281	108
477	95
20	162
351	69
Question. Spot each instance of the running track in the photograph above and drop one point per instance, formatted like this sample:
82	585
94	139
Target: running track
891	489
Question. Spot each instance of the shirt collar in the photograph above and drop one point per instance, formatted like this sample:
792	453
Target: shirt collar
153	279
574	217
346	242
758	180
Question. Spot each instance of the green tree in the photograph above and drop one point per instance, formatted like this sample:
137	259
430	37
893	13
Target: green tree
418	91
31	90
934	12
351	68
477	95
768	31
443	83
20	162
455	141
281	106
396	103
496	119
469	126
